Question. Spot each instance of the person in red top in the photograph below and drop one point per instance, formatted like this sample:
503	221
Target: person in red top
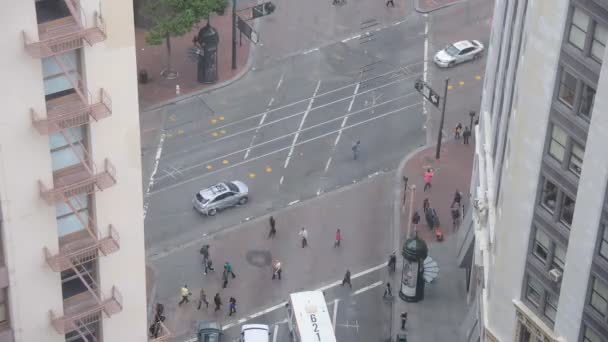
338	238
428	178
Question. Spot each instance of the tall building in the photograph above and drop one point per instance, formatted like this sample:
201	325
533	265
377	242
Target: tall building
536	244
72	259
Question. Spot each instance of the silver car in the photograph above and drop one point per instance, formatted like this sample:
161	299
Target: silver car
459	52
220	196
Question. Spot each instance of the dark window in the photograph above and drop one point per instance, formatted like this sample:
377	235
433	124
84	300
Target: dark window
559	258
604	244
590	336
542	245
598	43
533	291
587	98
576	159
567	88
567	210
599	296
549	196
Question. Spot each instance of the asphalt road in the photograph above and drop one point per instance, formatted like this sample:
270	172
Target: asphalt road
286	129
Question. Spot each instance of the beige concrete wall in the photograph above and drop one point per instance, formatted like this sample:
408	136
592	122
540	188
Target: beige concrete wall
29	223
111	64
536	79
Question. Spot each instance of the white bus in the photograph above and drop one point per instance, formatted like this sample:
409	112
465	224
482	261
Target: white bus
308	318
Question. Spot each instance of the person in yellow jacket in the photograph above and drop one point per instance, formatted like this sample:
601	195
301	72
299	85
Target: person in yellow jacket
185	293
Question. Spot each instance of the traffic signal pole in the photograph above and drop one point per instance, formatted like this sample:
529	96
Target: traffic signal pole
233	34
439	134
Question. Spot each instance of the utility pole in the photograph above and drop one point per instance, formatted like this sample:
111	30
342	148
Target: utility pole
440	133
472	115
409	218
233	34
404	189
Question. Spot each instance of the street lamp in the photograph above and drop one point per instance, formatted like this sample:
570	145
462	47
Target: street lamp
440	133
472	115
414	252
233	34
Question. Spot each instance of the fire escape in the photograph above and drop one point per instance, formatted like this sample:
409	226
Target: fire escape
76	109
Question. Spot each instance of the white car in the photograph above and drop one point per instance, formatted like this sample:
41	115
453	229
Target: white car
459	52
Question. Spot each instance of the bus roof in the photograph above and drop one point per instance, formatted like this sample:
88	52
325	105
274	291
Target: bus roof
304	306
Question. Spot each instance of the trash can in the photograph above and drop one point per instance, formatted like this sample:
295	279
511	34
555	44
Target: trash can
401	338
142	76
208	38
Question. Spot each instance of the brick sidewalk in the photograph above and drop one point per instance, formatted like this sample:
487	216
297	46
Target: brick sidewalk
437	317
154	58
426	6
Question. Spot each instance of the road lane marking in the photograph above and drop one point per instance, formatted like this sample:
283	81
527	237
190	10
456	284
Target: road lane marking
281	181
222	118
282	304
159	151
363	110
214	134
309	51
280	82
225	162
461	83
275	333
268	169
450	87
390	72
271	101
295	137
275	151
293	202
214	121
477	77
209	167
367	288
260	125
335	312
251	175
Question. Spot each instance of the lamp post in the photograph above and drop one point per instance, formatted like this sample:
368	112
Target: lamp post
409	219
439	134
472	115
233	34
404	189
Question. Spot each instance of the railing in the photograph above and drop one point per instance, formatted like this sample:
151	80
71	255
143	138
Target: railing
73	114
67	324
163	333
89	184
65	260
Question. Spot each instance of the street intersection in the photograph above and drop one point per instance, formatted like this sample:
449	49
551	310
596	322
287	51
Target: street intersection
286	129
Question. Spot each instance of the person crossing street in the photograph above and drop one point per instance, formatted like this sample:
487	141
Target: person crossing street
356	149
228	268
231	306
346	279
202	299
185	294
338	238
276	269
217	301
272	231
304	235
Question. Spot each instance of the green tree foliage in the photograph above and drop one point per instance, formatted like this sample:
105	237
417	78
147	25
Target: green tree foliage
174	18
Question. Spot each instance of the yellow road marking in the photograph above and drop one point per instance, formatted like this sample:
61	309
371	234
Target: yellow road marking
172	118
223	132
450	87
477	77
209	167
214	134
168	135
461	83
221	118
180	131
268	169
251	175
213	121
225	162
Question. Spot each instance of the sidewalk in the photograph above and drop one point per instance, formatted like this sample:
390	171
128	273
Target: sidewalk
438	316
427	6
154	58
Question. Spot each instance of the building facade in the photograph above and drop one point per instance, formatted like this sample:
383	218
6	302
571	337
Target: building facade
535	245
72	264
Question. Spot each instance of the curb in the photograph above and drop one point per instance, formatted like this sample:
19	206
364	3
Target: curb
418	8
210	89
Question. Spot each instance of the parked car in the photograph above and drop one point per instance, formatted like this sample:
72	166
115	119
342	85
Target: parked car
208	331
220	196
255	333
459	52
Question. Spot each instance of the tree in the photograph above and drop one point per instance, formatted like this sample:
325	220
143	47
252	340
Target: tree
174	18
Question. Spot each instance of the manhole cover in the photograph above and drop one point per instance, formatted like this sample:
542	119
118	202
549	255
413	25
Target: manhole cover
259	258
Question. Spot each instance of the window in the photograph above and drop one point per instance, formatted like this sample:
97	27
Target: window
567	88
3	307
590	335
524	334
604	244
600	35
587	98
549	195
576	159
70	222
567	210
62	154
533	291
578	28
551	307
542	244
557	147
559	257
599	297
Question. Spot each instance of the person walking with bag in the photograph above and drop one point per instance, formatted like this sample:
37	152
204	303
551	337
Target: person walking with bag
185	293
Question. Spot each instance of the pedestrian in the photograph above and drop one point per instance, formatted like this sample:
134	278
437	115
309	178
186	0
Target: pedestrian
356	149
204	251
388	291
276	269
228	268
457	198
346	279
392	262
224	278
455	215
185	293
466	135
304	235
272	231
431	218
428	178
338	238
232	306
208	266
202	299
425	205
403	320
390	2
415	219
217	301
458	131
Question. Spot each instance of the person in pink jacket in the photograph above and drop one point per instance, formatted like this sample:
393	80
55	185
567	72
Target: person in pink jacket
428	178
